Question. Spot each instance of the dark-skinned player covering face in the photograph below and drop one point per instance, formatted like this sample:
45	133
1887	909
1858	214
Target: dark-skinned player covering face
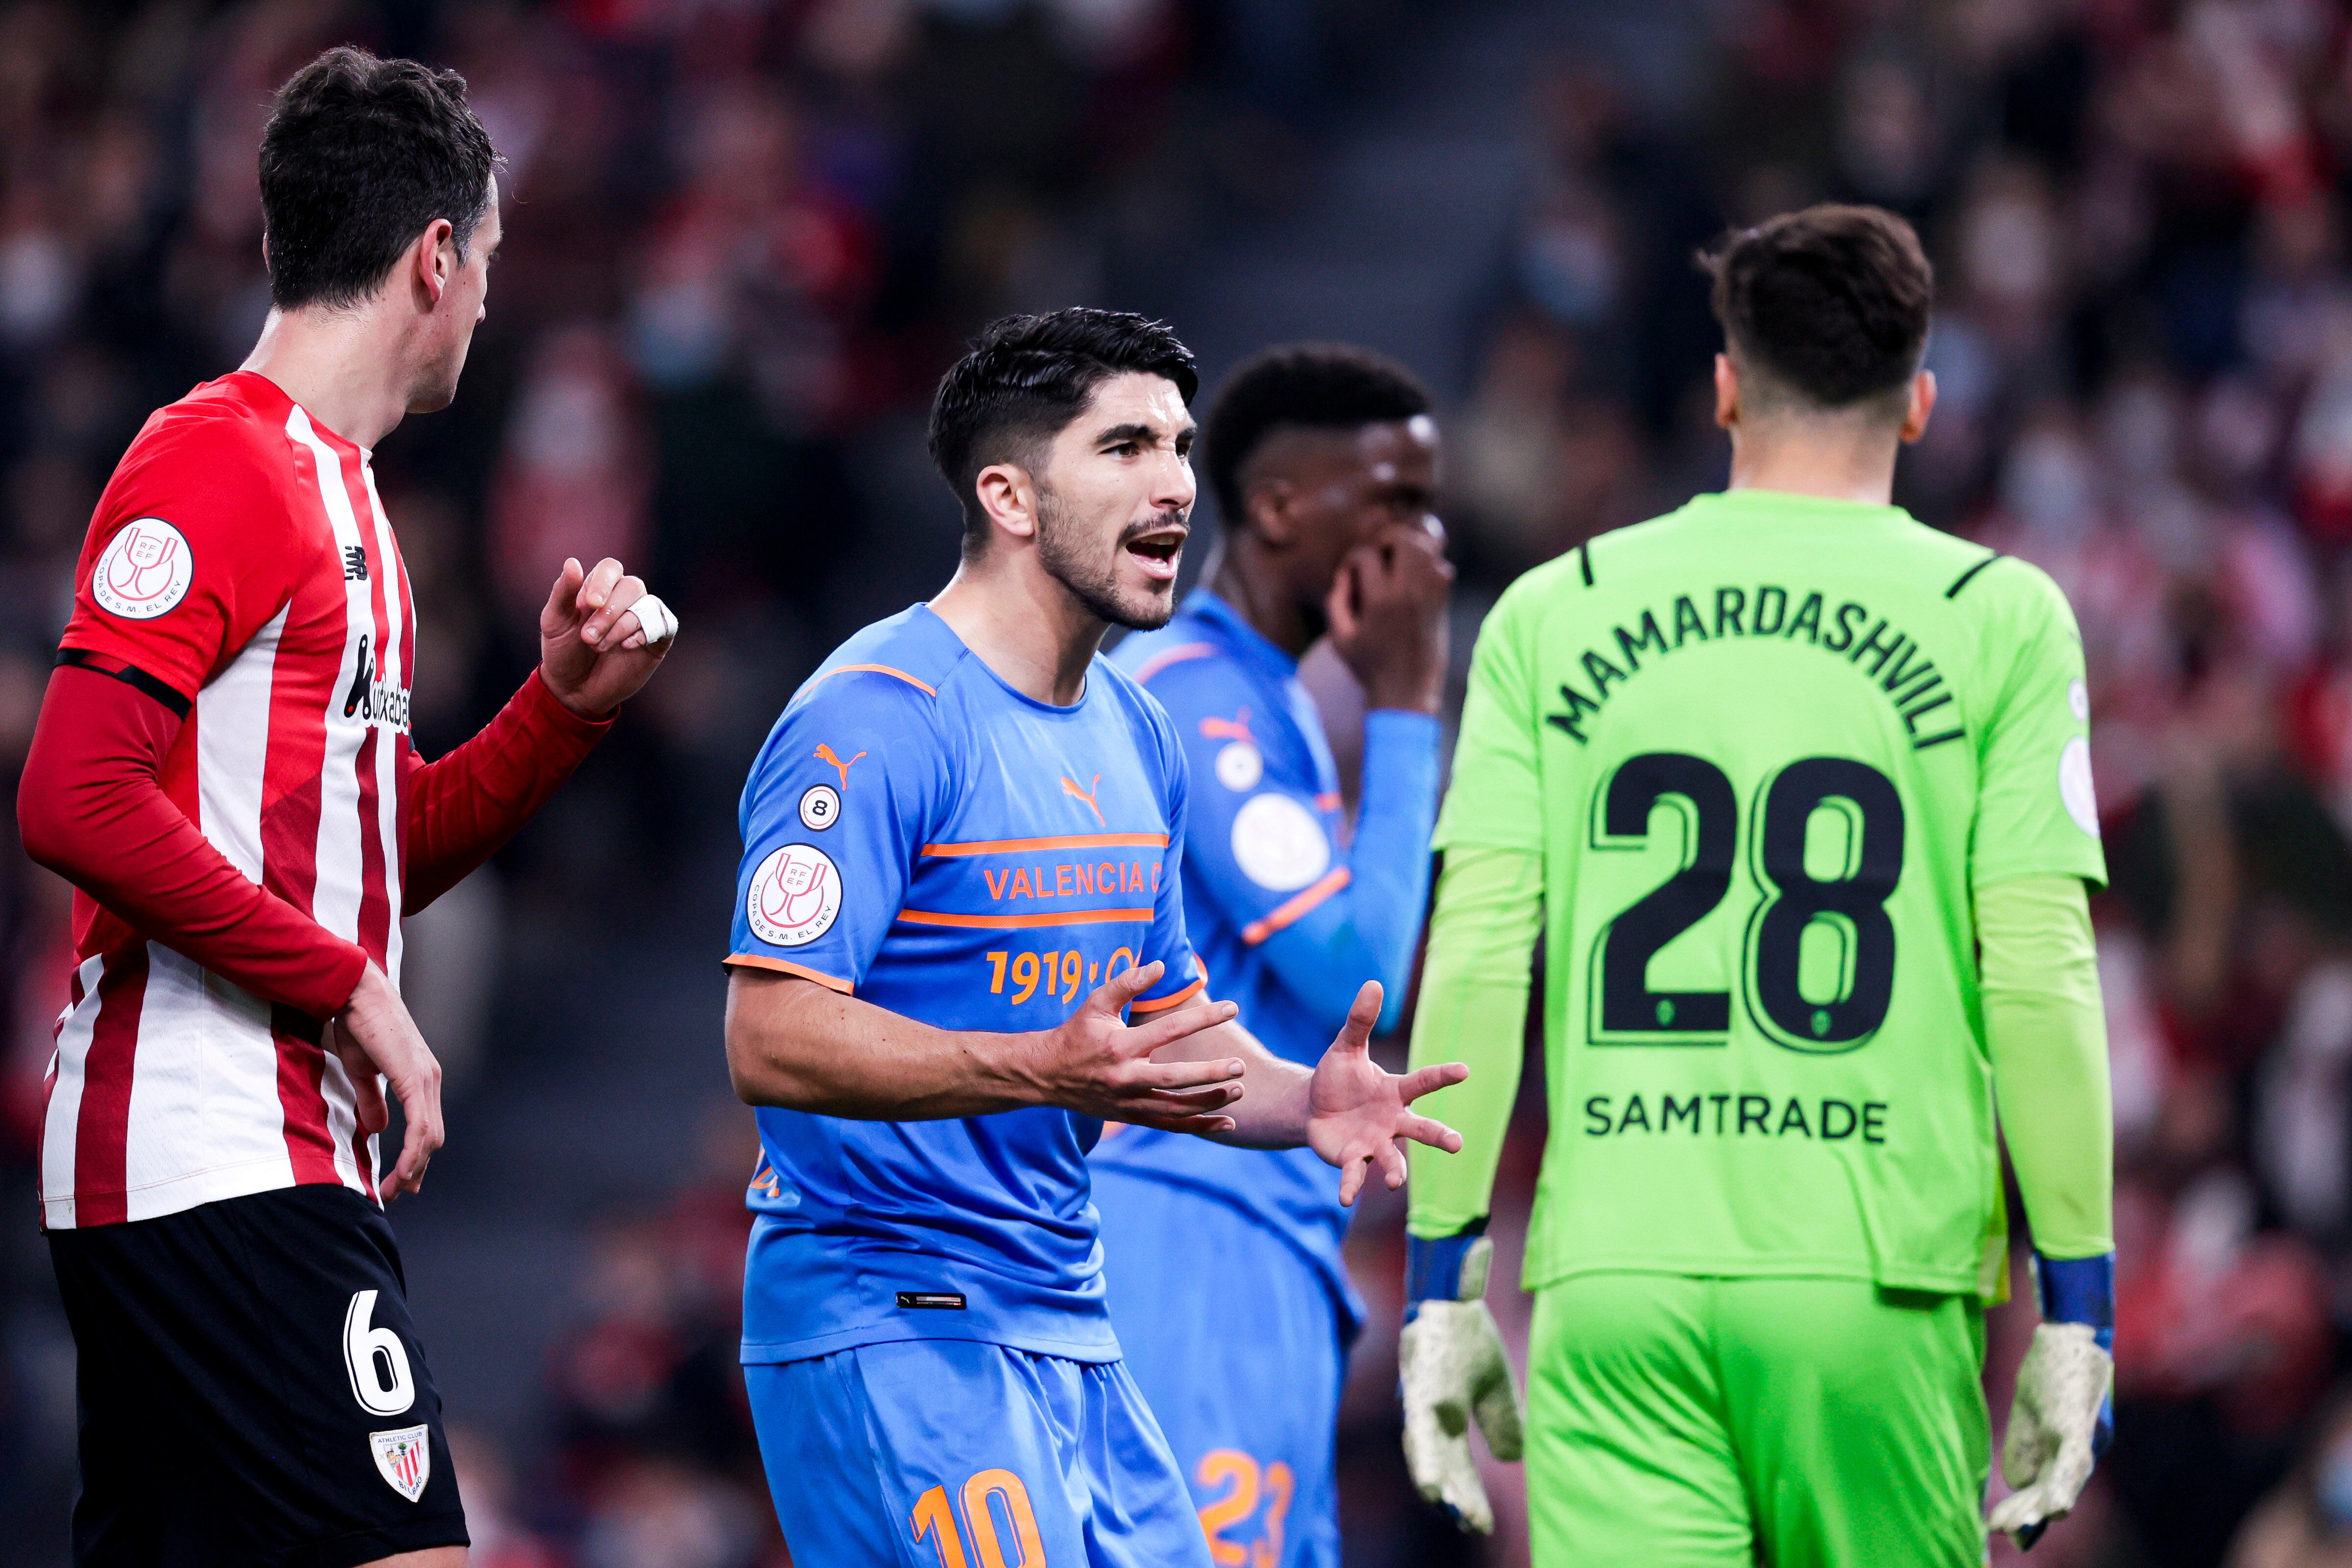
1325	463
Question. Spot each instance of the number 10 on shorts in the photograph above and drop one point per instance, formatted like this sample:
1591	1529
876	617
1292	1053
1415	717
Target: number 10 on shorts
994	1502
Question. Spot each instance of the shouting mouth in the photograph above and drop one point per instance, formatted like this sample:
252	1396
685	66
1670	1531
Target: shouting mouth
1157	552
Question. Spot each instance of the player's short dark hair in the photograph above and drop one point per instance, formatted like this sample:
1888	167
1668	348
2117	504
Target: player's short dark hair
1831	302
360	154
1026	376
1325	386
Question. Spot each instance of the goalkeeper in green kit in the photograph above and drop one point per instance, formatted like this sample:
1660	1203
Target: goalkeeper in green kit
1798	792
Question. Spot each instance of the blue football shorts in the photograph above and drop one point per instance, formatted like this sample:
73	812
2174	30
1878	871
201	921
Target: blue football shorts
958	1454
1237	1343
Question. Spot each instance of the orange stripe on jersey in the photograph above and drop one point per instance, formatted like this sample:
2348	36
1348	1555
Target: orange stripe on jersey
1257	931
786	967
1066	842
1161	1004
922	686
1022	922
1176	656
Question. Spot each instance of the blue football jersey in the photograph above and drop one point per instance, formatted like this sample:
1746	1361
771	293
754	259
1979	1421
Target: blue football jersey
920	835
1290	918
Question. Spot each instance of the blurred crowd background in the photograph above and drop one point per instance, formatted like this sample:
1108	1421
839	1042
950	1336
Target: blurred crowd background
744	237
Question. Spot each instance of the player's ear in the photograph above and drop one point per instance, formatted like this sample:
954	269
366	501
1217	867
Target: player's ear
1009	497
1922	403
1268	503
1726	391
433	260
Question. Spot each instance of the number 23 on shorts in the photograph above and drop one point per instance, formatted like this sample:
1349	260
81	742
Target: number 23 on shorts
991	1498
1249	1482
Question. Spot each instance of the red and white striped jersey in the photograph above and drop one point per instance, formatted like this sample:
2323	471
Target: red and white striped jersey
241	558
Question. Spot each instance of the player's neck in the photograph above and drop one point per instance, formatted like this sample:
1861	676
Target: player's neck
344	367
1832	459
1243	579
1024	625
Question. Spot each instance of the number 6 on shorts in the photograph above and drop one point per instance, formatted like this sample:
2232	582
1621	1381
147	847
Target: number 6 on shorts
370	1353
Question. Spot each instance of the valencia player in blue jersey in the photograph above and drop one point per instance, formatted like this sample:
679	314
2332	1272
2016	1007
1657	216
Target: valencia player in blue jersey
1324	461
960	949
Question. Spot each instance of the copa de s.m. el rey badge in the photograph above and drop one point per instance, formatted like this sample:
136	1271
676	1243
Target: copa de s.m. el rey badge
405	1458
1279	843
794	896
144	570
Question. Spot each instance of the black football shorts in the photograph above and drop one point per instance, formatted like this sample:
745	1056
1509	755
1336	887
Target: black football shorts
252	1389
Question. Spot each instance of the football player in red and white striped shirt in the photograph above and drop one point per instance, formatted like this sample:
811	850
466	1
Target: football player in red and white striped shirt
223	768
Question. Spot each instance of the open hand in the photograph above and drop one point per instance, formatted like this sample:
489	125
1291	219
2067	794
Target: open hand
595	648
1356	1109
374	1035
1095	1064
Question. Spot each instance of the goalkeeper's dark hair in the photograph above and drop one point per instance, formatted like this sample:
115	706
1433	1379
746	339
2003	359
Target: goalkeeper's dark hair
359	156
1026	378
1830	304
1324	386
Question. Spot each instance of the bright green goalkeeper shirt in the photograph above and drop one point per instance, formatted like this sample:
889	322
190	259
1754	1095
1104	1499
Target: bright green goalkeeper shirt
1766	746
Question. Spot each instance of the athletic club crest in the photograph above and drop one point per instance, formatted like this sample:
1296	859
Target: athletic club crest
794	896
145	569
404	1459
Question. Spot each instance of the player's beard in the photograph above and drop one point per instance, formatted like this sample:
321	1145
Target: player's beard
435	386
1062	552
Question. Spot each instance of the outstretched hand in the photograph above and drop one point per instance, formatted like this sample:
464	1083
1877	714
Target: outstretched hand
601	637
1356	1110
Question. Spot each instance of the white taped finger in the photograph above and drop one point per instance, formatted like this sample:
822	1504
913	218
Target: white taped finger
655	619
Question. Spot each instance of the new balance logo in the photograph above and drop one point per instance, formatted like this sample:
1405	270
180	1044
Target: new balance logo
354	564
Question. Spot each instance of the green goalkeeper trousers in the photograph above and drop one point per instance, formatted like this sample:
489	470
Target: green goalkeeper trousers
1675	1422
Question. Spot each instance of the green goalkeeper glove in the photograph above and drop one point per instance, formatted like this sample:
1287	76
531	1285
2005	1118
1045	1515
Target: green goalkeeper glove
2059	1419
1454	1370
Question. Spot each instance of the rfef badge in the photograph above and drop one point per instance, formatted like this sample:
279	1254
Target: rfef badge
143	572
794	896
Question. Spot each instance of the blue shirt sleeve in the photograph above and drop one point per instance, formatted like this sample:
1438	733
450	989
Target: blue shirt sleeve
1167	942
1387	892
1265	853
838	804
